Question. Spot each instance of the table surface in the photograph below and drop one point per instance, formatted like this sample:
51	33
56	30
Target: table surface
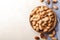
14	19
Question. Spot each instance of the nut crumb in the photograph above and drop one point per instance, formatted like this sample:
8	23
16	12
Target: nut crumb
41	0
36	37
55	1
55	7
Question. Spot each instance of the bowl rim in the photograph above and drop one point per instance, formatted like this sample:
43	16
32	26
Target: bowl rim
55	21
